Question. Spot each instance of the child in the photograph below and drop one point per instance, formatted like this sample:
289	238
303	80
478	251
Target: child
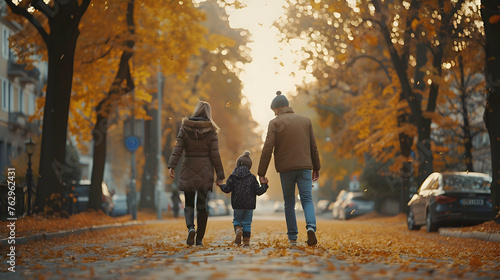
243	187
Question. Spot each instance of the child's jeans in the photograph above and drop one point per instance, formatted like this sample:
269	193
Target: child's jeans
243	218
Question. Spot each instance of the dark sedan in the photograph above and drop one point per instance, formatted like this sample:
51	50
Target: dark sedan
450	199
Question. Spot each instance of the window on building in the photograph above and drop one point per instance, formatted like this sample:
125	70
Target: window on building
20	100
5	94
9	153
2	156
5	42
11	97
31	102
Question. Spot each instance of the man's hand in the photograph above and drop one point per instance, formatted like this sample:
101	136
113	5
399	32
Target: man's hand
315	176
263	180
171	172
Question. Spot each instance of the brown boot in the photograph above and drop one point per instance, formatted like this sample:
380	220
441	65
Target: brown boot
239	234
246	238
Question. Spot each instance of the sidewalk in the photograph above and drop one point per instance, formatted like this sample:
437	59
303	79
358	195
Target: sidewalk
477	232
473	234
357	249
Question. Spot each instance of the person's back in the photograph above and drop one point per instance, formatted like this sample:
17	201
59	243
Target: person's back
293	145
244	188
296	158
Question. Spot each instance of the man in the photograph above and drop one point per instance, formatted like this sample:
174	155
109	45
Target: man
296	159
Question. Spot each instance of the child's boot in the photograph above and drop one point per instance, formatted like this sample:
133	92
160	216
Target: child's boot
238	230
246	238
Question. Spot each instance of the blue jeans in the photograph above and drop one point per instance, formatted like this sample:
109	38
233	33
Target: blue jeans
303	179
243	218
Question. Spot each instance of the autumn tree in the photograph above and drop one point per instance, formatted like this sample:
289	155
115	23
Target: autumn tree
490	12
406	43
206	78
167	35
213	76
57	23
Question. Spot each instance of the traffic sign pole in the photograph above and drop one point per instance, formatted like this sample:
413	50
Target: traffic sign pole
134	144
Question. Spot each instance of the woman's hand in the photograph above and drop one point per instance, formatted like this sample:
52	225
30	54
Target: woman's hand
171	172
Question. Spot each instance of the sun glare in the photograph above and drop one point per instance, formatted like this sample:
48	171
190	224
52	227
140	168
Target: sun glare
274	65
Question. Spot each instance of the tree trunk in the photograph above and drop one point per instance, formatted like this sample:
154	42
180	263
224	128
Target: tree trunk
104	109
490	8
100	135
63	20
61	52
465	116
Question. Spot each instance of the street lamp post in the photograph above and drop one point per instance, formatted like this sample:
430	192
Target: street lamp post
30	149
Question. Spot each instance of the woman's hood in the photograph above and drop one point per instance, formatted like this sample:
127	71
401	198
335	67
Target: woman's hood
197	127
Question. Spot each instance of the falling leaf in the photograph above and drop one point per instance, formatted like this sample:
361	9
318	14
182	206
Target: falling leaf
414	24
228	104
494	19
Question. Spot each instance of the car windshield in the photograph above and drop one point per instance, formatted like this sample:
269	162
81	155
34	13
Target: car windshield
465	183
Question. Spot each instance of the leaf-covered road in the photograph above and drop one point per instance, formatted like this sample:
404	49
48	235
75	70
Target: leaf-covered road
363	248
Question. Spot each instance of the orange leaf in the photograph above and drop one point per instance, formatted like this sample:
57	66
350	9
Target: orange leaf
475	261
494	19
414	24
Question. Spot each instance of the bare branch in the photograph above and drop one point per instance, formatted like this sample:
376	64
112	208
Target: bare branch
99	57
82	9
31	18
374	59
44	8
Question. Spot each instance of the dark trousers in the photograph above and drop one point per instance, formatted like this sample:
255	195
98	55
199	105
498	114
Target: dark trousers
201	201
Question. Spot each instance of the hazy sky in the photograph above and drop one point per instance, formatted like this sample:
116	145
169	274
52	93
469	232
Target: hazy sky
264	75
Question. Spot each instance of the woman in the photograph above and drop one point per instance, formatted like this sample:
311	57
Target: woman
198	138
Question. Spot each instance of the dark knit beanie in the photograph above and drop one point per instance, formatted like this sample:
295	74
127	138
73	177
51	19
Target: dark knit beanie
279	101
245	159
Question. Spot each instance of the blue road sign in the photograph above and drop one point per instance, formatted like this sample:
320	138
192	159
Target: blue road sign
132	143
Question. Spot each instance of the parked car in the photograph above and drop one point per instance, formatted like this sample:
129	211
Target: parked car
450	198
322	206
351	204
81	193
120	207
217	207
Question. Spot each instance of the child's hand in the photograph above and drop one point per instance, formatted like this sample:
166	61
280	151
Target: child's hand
263	180
219	182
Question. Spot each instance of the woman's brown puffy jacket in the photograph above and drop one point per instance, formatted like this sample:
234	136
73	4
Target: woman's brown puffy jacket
198	139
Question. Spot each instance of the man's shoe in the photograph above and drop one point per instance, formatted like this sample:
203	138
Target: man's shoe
191	234
311	237
293	242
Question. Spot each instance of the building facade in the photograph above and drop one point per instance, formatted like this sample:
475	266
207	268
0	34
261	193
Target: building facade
20	86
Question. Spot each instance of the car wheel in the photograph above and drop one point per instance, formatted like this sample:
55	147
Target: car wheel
410	220
431	226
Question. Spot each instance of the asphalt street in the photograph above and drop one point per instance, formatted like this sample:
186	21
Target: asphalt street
157	251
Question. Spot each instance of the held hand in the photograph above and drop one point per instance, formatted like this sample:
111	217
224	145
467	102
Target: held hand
263	180
315	176
171	172
219	182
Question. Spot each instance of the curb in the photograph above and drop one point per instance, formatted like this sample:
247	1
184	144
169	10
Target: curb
48	236
493	237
